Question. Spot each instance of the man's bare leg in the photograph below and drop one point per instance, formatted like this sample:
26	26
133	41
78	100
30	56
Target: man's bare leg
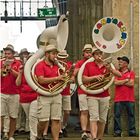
40	128
93	129
55	128
101	127
84	119
12	126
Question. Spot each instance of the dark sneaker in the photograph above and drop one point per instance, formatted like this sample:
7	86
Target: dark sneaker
37	138
84	136
21	132
60	134
132	135
45	137
65	133
5	136
117	134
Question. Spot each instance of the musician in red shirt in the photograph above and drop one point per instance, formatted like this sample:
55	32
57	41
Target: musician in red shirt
9	67
124	97
28	97
82	96
49	108
66	97
98	104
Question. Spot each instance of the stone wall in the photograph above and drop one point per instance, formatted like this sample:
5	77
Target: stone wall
83	16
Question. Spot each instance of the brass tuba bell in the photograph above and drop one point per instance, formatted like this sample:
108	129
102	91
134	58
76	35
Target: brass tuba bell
109	34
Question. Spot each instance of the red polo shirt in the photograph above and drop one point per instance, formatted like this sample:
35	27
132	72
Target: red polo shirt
92	69
123	92
66	91
44	69
78	66
27	94
8	85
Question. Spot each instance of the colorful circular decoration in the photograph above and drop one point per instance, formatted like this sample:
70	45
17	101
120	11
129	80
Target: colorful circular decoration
109	34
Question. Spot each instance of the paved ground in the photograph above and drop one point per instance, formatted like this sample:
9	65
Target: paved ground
75	134
77	137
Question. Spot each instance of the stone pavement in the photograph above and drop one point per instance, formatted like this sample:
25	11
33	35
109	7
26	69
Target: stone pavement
75	134
77	137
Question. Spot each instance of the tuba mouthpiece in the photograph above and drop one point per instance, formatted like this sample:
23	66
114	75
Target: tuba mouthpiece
59	65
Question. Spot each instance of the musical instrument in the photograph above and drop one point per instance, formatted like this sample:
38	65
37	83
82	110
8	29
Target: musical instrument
93	88
5	68
73	88
52	35
109	35
53	87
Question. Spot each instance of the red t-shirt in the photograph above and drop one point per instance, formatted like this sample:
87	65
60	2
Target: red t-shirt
8	85
44	69
66	91
92	69
78	66
27	94
123	92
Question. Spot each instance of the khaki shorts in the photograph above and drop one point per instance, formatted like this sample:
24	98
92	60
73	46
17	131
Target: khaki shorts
49	108
66	102
9	105
98	108
83	102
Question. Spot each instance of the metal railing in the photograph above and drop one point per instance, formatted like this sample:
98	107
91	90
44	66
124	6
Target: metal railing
27	9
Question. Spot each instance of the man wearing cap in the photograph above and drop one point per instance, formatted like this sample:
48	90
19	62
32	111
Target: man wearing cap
66	98
124	97
87	53
98	104
9	93
24	54
28	98
49	108
22	126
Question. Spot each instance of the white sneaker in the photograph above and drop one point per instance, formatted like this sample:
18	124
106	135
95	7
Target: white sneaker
11	138
84	136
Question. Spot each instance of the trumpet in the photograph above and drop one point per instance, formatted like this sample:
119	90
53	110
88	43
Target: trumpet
5	69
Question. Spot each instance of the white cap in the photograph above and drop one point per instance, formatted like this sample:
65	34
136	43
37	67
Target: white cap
94	49
87	47
62	54
9	47
50	48
23	50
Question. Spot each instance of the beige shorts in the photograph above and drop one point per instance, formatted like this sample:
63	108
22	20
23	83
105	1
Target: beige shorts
9	105
66	102
98	108
49	108
83	102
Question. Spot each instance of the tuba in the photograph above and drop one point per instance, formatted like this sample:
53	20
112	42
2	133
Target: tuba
109	35
52	35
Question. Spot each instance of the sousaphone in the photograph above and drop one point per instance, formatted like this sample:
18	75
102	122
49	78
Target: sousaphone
109	35
57	35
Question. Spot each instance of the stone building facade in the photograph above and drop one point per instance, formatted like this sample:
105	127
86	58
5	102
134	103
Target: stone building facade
83	16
